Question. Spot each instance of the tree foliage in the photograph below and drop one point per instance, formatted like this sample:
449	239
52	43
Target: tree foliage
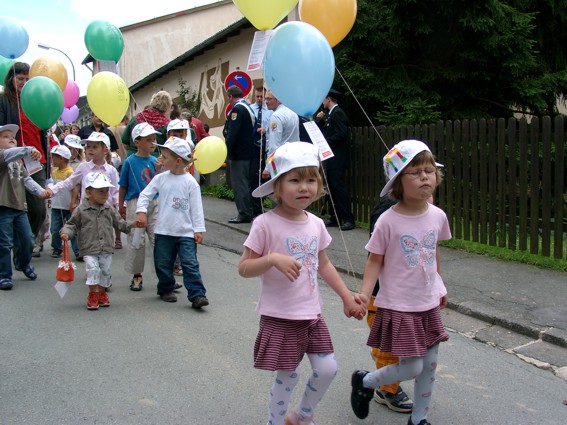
408	61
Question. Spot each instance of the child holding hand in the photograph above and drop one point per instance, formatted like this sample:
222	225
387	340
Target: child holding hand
286	247
404	254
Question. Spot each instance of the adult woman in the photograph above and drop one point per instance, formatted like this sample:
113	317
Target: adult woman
29	135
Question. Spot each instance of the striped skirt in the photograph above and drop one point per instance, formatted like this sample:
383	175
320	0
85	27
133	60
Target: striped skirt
407	334
282	343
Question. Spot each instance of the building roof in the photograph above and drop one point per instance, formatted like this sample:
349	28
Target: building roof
220	37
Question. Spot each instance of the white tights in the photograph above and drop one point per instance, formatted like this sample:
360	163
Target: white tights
324	371
422	369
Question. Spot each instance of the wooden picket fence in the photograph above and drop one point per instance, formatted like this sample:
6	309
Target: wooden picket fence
505	180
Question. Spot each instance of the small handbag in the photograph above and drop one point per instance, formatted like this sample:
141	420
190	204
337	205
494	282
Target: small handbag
66	269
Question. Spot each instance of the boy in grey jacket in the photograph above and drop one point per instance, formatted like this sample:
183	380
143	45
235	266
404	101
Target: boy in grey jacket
94	221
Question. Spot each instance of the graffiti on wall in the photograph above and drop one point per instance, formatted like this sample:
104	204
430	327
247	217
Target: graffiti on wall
213	95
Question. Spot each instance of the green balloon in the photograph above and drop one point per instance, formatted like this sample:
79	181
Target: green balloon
104	41
42	101
5	65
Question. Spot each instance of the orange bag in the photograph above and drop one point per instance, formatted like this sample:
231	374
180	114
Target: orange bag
66	269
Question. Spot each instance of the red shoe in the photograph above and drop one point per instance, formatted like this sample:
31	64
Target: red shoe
117	244
103	300
92	301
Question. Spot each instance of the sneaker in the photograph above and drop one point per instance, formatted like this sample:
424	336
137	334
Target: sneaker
293	418
103	300
56	253
168	297
6	284
178	271
399	402
37	251
360	396
79	258
30	273
177	286
199	302
92	301
422	422
136	283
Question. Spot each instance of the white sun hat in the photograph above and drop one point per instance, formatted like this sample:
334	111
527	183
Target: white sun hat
61	150
73	141
97	180
178	124
12	127
97	137
288	156
179	147
142	130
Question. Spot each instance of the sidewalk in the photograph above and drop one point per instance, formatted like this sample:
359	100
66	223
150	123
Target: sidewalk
517	297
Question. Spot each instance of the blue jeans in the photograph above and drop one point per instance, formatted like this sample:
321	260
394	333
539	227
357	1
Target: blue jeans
58	217
166	249
15	232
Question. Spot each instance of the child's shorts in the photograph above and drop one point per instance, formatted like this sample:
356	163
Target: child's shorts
98	269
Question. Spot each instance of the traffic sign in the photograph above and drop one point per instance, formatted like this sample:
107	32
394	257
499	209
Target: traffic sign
240	79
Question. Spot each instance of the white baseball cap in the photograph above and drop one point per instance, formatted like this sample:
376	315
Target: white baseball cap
12	127
178	124
74	141
97	137
61	151
178	146
142	130
288	156
97	180
398	158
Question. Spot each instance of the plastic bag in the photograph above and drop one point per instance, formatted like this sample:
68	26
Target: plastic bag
66	269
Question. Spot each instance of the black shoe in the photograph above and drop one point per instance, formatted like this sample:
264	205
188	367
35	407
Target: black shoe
422	422
56	253
398	402
360	396
168	297
330	223
199	302
30	273
347	225
239	220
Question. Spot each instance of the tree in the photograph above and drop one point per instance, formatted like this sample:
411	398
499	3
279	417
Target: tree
409	61
189	98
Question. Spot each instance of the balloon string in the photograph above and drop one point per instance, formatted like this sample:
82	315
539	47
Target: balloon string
362	109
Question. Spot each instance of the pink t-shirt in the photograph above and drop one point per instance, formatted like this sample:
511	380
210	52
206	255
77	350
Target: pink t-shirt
300	299
409	280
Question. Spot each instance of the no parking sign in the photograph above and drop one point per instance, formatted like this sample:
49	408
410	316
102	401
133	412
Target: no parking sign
239	79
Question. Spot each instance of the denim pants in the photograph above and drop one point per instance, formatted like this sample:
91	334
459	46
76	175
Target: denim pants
166	249
58	218
15	231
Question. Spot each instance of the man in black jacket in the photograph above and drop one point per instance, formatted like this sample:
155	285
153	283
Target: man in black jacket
336	132
239	132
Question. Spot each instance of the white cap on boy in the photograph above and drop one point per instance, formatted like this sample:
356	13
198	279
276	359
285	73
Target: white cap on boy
398	158
288	156
142	130
12	127
97	180
97	137
73	141
178	124
61	151
178	146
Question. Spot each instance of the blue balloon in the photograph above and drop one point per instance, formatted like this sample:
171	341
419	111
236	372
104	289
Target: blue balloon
14	38
299	67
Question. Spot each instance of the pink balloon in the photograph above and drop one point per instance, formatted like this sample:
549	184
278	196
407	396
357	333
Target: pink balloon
71	94
69	114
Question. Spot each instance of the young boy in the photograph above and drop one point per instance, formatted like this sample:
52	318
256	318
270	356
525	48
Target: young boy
15	228
137	171
180	224
94	221
60	203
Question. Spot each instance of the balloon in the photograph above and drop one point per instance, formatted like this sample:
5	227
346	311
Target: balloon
14	38
104	41
334	18
71	93
47	66
42	101
299	67
69	114
265	14
5	65
209	154
108	97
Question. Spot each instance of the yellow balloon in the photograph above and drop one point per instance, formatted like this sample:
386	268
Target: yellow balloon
108	97
209	154
334	18
49	67
265	14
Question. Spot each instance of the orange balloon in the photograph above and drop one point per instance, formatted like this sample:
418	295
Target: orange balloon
334	18
49	67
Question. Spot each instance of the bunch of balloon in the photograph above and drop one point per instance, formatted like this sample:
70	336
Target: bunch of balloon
265	14
108	97
299	66
14	38
210	154
70	97
334	18
42	101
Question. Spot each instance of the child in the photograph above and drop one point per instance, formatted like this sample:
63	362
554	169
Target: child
405	255
94	221
180	223
77	150
15	230
137	171
286	246
61	203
